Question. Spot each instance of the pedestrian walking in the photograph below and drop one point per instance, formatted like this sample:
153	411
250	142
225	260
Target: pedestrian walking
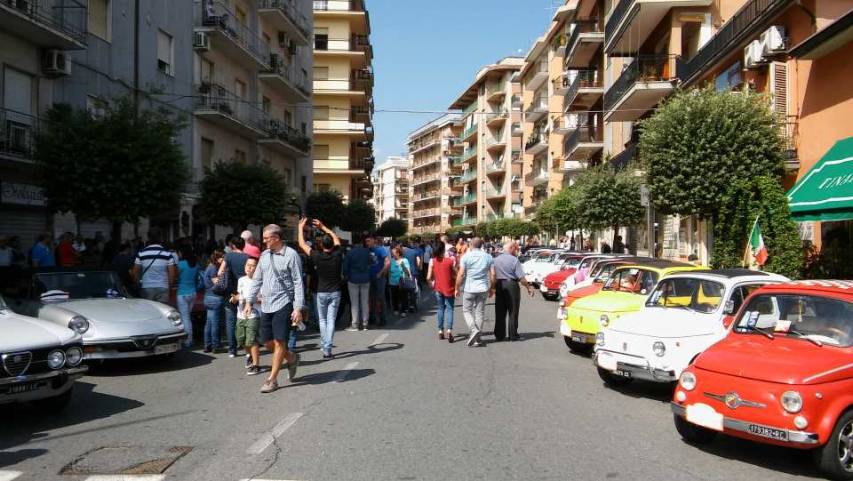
328	269
232	268
441	272
247	324
66	255
476	282
357	273
278	280
214	302
508	275
154	269
380	264
189	283
401	281
414	255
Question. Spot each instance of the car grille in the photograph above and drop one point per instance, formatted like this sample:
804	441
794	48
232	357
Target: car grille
16	363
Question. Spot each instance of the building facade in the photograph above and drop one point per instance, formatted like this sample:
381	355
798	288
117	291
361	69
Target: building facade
435	176
343	98
391	189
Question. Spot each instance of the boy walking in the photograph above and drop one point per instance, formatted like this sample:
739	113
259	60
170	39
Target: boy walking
246	331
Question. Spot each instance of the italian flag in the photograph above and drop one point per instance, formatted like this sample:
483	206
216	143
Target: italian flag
756	244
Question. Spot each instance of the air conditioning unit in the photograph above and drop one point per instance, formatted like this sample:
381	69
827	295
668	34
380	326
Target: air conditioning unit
773	41
56	63
201	41
752	57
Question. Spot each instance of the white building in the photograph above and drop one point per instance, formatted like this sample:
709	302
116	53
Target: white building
391	186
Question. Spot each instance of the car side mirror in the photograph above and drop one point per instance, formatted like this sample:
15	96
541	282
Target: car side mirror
730	307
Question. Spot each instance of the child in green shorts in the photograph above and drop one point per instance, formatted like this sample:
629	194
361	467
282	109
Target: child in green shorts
247	329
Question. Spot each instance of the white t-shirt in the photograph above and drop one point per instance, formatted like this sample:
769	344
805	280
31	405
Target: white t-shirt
154	262
244	285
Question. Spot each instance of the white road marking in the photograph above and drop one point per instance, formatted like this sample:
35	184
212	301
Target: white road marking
380	339
268	438
9	475
126	477
345	372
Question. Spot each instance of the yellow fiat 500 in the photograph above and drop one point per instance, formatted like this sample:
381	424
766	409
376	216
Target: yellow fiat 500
624	292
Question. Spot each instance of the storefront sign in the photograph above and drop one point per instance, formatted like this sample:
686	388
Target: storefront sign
21	194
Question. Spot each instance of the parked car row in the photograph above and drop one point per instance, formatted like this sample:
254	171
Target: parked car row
749	354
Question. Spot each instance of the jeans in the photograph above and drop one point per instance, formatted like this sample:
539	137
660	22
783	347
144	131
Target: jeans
157	294
474	310
359	299
377	299
231	325
185	307
327	311
213	304
444	312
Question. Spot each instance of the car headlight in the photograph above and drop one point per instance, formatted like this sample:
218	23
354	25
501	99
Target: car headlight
599	339
73	356
175	317
687	381
79	324
605	320
792	401
659	348
56	359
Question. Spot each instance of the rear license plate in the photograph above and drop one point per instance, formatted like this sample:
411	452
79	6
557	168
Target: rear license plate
770	433
622	373
22	388
165	348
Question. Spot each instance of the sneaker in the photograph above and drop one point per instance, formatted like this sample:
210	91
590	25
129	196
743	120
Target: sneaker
248	361
269	386
450	338
253	371
473	338
291	367
327	354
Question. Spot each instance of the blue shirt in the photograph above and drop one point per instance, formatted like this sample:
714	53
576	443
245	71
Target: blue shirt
357	265
187	278
377	259
477	265
42	255
411	254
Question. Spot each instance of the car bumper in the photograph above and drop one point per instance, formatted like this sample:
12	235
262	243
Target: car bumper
545	290
581	337
133	347
635	368
39	386
747	430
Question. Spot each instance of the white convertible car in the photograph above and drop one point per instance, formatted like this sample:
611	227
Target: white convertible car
684	315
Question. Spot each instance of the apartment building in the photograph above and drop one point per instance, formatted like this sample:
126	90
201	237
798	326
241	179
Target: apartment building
435	170
491	171
391	189
343	98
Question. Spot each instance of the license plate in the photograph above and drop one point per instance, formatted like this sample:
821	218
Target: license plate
165	348
770	433
22	388
622	373
705	416
606	361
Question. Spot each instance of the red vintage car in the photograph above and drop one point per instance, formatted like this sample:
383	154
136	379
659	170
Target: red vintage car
783	375
551	284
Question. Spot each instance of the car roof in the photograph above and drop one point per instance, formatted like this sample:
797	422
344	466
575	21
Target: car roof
660	264
813	286
732	275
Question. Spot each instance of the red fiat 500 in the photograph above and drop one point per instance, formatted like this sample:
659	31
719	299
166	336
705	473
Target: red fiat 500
783	375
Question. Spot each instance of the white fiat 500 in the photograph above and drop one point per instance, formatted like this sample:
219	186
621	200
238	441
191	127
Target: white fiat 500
684	315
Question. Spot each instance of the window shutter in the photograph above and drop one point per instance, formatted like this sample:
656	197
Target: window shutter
779	89
164	47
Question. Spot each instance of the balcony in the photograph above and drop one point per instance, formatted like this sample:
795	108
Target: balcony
642	84
584	142
493	217
538	75
468	176
559	44
424	213
423	145
496	118
516	104
624	158
537	177
516	157
464	221
337	87
585	90
570	166
561	83
469	133
497	167
285	16
342	127
536	143
495	91
494	193
565	123
465	200
496	142
469	154
59	24
338	6
430	195
230	37
585	41
356	47
427	178
341	166
632	21
285	139
222	107
290	80
537	109
517	129
17	135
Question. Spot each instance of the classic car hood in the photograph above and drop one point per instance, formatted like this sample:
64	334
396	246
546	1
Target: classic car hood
608	301
581	292
781	360
668	323
555	278
119	318
22	333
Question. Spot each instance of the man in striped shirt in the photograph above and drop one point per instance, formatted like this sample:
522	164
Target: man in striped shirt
154	269
278	279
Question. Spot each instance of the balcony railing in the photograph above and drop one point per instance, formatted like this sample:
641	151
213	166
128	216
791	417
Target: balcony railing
616	17
516	103
278	131
66	16
494	217
213	96
464	221
584	79
492	192
468	176
469	153
356	43
539	105
495	88
492	167
624	158
426	178
499	114
469	131
292	73
536	138
644	68
561	82
516	156
217	15
291	11
538	174
469	109
17	134
580	27
584	133
750	17
497	139
339	5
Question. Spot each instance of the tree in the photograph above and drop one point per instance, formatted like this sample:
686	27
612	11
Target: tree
393	228
609	199
359	216
121	166
237	194
327	206
509	228
700	141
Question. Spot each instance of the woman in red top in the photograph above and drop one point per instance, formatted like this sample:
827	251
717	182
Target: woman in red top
442	270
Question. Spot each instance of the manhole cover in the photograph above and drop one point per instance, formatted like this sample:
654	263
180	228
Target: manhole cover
126	460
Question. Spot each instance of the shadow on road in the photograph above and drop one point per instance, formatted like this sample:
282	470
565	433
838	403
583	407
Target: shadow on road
372	349
796	462
343	375
183	359
661	392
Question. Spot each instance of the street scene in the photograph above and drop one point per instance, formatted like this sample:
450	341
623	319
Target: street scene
281	240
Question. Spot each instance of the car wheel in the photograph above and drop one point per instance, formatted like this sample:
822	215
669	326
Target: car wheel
692	433
612	379
835	458
55	404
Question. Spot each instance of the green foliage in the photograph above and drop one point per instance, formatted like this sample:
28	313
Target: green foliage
700	141
359	216
743	201
122	166
563	209
237	194
393	228
457	230
327	206
607	198
509	228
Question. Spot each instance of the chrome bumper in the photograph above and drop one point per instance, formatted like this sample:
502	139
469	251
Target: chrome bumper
72	373
794	437
128	348
643	373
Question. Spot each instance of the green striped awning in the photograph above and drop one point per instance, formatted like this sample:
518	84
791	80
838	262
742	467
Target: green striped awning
825	193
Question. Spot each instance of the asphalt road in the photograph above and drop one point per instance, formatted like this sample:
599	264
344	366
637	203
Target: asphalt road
395	404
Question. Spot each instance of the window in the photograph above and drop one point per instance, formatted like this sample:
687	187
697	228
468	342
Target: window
321	112
99	19
321	152
206	70
206	153
321	73
288	118
321	38
266	105
239	156
165	53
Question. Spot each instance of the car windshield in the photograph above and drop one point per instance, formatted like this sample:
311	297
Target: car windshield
569	260
684	292
633	280
62	286
543	257
815	318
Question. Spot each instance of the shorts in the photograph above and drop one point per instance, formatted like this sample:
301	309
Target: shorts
275	326
247	331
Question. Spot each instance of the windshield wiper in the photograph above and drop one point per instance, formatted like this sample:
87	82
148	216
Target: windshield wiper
805	336
760	330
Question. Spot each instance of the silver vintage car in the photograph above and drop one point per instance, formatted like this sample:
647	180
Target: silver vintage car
39	361
118	326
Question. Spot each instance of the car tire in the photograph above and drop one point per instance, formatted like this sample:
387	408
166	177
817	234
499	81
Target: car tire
612	379
830	458
55	404
692	433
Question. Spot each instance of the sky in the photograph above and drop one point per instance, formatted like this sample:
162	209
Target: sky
427	53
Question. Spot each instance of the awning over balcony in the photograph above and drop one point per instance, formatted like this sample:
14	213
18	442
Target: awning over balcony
825	193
